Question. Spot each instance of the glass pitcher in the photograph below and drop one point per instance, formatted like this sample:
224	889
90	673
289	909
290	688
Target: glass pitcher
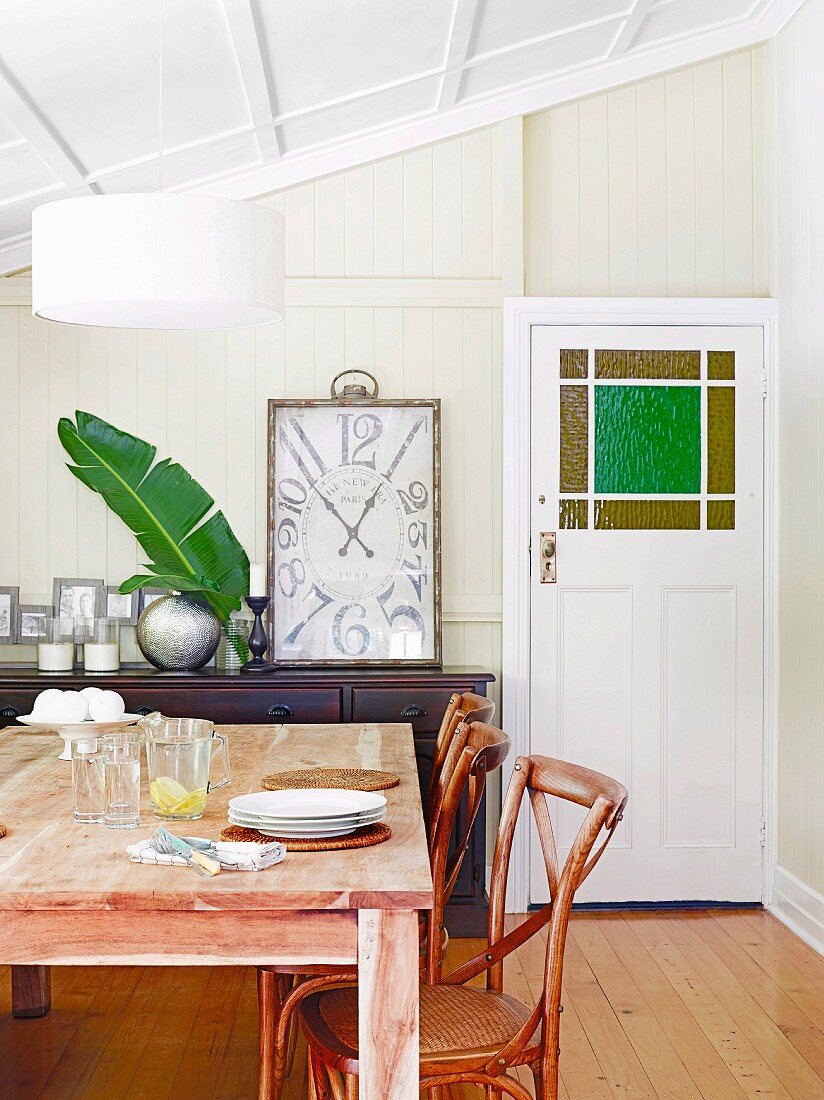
178	759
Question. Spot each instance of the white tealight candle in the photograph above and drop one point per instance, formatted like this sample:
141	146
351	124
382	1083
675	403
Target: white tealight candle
55	656
257	579
101	656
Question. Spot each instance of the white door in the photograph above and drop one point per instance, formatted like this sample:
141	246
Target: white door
647	651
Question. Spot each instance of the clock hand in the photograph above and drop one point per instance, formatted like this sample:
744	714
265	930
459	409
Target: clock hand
353	531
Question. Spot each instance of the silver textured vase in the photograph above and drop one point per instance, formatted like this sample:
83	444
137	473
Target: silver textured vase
178	633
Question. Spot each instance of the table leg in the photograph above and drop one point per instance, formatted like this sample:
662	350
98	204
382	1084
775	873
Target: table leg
30	990
388	1004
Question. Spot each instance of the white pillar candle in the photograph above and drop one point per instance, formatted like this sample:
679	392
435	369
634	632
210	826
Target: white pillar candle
101	656
55	656
257	579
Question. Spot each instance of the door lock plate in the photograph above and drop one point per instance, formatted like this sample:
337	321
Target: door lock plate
548	548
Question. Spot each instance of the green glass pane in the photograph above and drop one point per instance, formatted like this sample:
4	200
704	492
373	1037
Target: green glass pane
647	515
721	515
649	363
720	439
647	439
574	362
720	365
573	515
573	437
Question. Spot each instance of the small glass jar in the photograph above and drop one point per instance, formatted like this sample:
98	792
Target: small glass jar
233	647
101	645
55	649
88	780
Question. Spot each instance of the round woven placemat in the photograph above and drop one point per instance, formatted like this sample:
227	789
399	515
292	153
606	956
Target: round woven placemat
348	779
363	838
2	829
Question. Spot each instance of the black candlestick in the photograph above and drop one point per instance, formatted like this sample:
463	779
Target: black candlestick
258	641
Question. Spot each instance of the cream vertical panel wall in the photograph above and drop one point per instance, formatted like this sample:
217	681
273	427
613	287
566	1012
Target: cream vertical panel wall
799	158
395	267
655	189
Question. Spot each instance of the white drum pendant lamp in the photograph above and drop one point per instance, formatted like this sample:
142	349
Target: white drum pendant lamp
158	260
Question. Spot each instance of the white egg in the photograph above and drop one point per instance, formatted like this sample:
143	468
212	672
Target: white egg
46	700
73	708
87	693
108	706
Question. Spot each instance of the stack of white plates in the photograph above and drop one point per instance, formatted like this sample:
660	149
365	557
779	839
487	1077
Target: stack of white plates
307	813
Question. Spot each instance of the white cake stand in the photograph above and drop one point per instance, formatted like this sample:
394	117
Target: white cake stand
75	731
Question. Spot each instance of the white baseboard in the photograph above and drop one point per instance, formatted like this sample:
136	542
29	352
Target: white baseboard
799	907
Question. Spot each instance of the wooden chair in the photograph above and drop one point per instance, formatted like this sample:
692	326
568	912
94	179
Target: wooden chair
476	750
477	1035
466	707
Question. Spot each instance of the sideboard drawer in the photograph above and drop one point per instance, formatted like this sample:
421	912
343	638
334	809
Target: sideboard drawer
255	706
423	707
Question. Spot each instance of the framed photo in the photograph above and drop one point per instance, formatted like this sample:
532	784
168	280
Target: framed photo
78	598
8	615
354	532
126	608
149	595
31	621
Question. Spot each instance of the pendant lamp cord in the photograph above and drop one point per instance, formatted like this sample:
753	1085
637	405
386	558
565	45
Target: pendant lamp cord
160	95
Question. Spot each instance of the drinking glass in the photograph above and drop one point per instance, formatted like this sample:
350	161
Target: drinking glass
121	763
101	645
55	649
88	778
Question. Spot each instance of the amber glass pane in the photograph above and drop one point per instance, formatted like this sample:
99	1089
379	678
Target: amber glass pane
574	363
720	365
647	515
652	363
574	435
721	515
573	515
720	439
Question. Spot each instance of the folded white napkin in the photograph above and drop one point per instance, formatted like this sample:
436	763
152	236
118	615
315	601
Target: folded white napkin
231	856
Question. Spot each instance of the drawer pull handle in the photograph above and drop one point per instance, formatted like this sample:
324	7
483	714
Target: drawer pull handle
145	710
414	711
9	712
280	710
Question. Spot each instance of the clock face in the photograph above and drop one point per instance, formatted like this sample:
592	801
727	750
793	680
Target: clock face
353	506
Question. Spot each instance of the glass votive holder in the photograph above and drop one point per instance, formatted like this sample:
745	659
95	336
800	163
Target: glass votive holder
55	648
101	645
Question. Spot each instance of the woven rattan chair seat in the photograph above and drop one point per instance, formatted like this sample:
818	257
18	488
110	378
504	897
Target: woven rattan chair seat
455	1022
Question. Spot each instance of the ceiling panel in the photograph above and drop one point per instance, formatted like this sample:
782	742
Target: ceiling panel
22	171
680	17
552	55
322	50
92	70
502	23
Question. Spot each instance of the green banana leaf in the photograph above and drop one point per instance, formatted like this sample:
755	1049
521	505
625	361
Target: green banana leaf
163	505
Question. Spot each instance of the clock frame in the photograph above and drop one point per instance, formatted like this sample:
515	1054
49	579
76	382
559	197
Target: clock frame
348	471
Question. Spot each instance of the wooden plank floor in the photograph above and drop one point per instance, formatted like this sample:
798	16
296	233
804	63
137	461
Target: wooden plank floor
714	1005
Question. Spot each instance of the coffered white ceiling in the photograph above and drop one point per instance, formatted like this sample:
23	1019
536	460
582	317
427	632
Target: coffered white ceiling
260	94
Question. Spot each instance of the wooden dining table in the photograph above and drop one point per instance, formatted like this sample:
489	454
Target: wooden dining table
69	895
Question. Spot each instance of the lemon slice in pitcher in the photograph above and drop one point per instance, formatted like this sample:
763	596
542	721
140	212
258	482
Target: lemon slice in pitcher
193	802
165	792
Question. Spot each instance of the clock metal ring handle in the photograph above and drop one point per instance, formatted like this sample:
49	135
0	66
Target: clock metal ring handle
414	711
355	390
280	710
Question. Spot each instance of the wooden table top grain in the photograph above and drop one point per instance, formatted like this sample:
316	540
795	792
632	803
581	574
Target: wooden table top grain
48	862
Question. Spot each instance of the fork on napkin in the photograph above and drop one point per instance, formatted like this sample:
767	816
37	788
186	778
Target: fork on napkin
164	849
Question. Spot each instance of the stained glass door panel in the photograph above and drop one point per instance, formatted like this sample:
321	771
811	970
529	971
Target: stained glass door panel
646	448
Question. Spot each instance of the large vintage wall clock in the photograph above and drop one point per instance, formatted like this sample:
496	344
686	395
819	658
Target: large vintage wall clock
354	530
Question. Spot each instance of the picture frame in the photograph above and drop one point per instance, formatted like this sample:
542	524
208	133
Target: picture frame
362	569
9	599
28	627
124	608
79	597
148	596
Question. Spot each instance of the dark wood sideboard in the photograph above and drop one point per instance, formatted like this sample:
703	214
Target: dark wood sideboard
295	696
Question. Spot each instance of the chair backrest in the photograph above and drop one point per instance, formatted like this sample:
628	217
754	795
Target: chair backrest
477	750
461	708
604	799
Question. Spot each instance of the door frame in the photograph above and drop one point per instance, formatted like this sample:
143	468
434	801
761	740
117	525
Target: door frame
520	314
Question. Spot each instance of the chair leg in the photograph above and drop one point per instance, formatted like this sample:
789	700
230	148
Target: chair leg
269	1002
292	1040
317	1074
351	1087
